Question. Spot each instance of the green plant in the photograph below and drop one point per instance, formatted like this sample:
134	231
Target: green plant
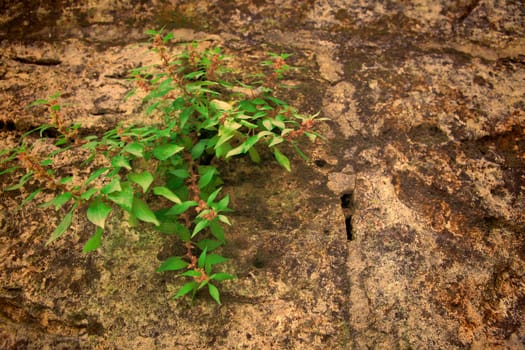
163	172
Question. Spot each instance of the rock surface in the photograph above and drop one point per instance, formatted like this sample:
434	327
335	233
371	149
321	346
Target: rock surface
406	231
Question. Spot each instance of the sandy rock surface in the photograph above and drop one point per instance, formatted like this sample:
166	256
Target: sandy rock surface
406	231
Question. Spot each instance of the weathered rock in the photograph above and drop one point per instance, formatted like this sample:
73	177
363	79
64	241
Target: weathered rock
423	169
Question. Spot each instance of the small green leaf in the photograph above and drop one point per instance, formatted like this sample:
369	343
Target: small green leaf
120	162
97	212
167	227
40	101
185	116
279	124
275	141
167	37
247	106
222	150
212	196
254	155
197	150
183	233
30	197
224	136
21	182
223	218
88	194
258	101
59	200
143	212
202	258
181	208
206	176
217	231
180	173
94	241
191	273
201	225
9	170
236	151
173	263
62	226
300	153
166	193
282	159
267	123
165	151
185	289
66	180
46	162
213	259
214	293
95	175
123	198
223	203
221	276
208	244
143	179
111	187
134	148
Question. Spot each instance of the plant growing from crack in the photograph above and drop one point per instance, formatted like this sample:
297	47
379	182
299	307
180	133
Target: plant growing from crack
162	172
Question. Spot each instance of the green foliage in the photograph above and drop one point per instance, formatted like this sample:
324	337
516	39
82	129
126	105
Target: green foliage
159	173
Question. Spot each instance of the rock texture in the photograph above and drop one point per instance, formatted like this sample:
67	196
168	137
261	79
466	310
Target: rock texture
405	231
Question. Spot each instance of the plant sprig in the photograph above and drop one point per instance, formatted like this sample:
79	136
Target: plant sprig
162	173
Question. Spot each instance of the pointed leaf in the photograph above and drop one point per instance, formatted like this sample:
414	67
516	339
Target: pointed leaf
143	212
214	293
134	148
95	175
202	258
94	241
221	276
236	151
30	197
217	231
223	203
88	194
213	259
185	116
188	287
223	218
166	193
267	123
208	244
201	225
206	176
275	141
143	179
181	173
111	187
212	196
254	155
62	226
97	212
165	151
173	263
282	159
59	200
123	198
198	149
191	273
181	208
120	162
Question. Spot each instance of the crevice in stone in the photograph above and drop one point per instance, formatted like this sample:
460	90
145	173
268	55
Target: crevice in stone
347	203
